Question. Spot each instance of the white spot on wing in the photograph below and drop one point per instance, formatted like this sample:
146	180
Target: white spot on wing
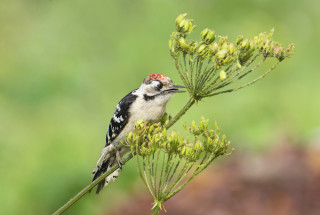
118	107
118	119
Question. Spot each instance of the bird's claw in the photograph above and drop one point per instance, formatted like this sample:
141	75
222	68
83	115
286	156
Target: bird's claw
118	159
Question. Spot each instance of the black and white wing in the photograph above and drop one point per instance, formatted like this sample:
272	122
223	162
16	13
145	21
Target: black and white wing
120	117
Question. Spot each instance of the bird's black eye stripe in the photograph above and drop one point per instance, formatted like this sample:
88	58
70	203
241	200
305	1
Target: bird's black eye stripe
159	85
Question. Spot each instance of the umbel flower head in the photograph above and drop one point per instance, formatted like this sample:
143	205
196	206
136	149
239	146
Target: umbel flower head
168	161
214	62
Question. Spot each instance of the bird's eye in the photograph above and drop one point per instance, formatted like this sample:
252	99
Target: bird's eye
159	86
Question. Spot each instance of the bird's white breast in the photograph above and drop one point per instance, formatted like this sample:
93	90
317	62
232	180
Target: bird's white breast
145	110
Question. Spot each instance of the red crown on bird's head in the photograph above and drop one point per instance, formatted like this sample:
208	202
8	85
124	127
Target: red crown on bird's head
155	77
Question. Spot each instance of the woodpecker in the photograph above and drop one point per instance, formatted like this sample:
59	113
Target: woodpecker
148	103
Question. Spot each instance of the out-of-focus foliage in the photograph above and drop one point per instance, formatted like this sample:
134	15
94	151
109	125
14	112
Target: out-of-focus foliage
64	65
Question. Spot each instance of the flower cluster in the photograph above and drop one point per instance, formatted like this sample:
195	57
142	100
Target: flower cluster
148	138
215	62
168	161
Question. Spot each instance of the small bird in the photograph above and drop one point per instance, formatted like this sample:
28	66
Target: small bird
148	103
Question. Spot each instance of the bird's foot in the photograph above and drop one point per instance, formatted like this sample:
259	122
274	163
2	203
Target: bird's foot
119	160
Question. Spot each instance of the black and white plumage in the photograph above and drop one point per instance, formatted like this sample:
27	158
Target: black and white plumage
120	117
148	103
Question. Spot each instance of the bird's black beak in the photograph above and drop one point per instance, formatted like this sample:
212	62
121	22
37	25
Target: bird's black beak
176	87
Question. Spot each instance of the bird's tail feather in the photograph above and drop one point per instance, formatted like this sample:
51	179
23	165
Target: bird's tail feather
104	164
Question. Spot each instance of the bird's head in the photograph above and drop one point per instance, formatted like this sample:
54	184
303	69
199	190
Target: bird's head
158	87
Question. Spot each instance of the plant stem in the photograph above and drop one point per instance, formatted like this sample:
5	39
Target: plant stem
90	186
186	182
181	113
155	210
248	84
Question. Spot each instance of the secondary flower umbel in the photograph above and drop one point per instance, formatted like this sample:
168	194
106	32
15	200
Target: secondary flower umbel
168	161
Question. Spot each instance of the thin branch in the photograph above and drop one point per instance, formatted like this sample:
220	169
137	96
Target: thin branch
248	84
90	186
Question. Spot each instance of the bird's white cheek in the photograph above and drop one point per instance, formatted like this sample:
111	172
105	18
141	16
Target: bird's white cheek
162	100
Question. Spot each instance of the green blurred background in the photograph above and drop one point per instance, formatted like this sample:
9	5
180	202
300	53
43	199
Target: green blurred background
64	65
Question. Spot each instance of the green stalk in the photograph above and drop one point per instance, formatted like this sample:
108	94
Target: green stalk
169	172
90	187
138	166
151	176
248	84
179	177
235	78
155	172
214	84
179	67
155	210
186	70
181	113
174	171
191	70
146	177
186	182
161	176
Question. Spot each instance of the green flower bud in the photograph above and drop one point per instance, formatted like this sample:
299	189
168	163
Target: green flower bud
279	53
208	36
290	50
222	53
192	47
204	33
238	64
183	24
198	145
151	128
239	39
188	151
184	46
164	132
222	39
245	44
180	18
129	135
223	75
183	150
191	27
229	59
252	45
232	48
202	50
262	37
266	44
213	48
